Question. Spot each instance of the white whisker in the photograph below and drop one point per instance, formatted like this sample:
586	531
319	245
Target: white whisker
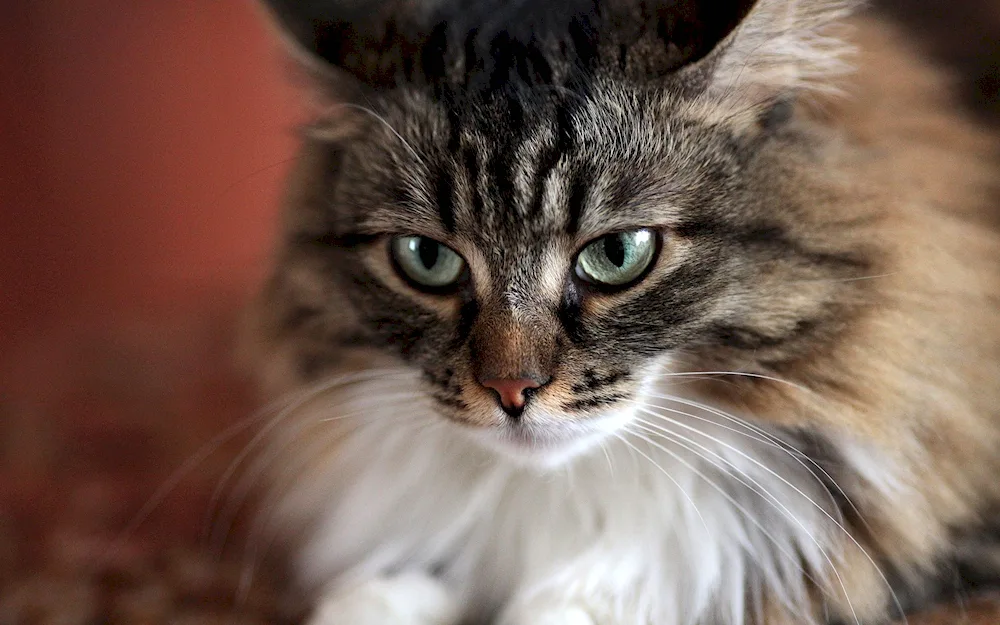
195	460
368	111
800	456
795	488
669	477
242	490
761	437
263	530
771	499
291	404
745	374
728	497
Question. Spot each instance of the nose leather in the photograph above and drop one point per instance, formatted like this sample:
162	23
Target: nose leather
511	391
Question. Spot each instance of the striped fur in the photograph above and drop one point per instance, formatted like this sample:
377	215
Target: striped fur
791	419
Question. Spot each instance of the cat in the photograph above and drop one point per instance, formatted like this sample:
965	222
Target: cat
630	312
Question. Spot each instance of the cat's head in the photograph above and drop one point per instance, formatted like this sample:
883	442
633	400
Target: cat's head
542	208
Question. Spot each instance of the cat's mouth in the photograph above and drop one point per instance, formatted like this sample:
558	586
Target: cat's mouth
551	442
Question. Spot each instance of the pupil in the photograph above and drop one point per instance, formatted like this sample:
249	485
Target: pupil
428	251
614	249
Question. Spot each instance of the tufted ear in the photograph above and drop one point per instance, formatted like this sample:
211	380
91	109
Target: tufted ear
754	49
298	25
777	48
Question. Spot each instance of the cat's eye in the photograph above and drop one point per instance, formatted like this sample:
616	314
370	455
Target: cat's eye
616	260
426	262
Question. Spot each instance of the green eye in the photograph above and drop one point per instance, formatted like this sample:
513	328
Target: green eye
426	262
617	259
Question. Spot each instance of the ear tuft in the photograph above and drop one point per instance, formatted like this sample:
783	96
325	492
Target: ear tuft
781	46
737	51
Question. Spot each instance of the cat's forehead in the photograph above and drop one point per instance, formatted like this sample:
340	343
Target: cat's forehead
518	170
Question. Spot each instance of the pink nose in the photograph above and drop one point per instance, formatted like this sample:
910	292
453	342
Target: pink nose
511	392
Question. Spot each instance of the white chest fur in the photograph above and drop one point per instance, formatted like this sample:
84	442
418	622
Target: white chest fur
688	527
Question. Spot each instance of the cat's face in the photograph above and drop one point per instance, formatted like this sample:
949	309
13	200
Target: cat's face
543	263
542	256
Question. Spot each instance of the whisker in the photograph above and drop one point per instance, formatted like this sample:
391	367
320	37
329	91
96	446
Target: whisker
221	524
187	467
414	396
841	280
291	404
761	437
669	477
737	505
745	374
607	456
365	109
247	177
799	491
263	532
765	495
241	491
175	479
800	456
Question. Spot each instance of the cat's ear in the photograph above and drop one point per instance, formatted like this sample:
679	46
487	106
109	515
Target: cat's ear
342	50
304	26
774	49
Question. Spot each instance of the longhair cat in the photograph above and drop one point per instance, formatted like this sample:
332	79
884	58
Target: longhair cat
631	312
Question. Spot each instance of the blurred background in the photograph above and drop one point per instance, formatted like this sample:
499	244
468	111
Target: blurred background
143	149
143	145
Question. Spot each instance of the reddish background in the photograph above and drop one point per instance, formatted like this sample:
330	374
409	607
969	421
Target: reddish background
143	148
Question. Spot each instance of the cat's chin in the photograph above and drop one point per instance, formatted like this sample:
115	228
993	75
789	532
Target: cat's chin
549	447
540	453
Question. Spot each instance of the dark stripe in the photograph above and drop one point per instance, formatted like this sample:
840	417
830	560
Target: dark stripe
769	236
585	40
451	402
579	190
594	382
471	61
432	55
777	115
471	162
515	60
547	161
746	338
552	154
594	402
311	365
541	67
299	315
669	312
503	51
451	107
570	313
467	315
445	190
500	168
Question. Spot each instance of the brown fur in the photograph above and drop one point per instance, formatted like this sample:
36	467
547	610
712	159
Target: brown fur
917	374
906	365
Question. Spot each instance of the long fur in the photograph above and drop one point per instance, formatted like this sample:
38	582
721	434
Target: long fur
792	419
785	45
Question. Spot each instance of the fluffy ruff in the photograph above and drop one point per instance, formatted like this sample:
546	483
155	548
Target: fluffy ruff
687	515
